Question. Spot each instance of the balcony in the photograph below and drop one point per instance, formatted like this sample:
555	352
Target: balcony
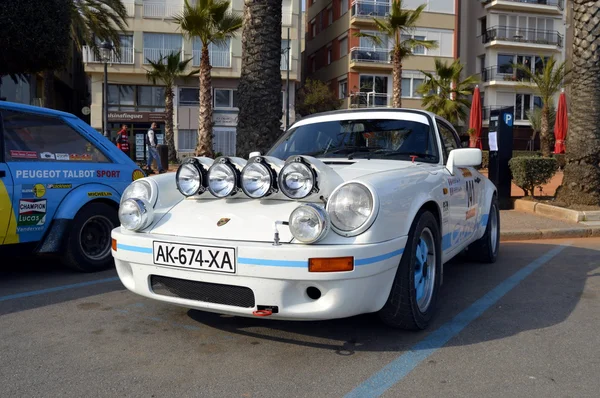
512	36
369	56
370	100
162	9
125	56
369	9
503	75
520	115
535	6
154	54
218	59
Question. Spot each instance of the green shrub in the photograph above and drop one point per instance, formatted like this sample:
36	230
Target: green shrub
560	158
485	156
532	171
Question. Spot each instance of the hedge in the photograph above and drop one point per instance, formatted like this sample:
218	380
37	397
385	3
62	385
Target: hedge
485	157
532	171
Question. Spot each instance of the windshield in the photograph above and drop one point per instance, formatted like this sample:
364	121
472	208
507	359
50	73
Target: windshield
360	138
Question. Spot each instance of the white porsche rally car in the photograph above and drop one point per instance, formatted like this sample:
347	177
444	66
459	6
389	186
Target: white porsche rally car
350	212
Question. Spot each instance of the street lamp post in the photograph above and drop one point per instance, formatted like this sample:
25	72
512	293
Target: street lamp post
105	53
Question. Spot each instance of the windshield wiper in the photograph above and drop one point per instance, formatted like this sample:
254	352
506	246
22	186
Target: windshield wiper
411	154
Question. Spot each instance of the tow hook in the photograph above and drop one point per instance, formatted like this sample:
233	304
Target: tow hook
262	312
265	310
276	232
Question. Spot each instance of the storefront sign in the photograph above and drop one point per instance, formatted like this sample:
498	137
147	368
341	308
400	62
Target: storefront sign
225	119
144	117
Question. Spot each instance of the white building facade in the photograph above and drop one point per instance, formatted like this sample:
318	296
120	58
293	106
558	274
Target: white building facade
152	32
499	33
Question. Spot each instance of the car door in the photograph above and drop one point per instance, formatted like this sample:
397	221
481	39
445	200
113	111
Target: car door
461	204
6	192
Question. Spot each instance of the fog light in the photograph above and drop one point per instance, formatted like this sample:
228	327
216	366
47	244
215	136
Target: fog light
331	264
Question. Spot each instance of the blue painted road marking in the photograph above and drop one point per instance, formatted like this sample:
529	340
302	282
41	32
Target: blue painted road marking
396	370
56	289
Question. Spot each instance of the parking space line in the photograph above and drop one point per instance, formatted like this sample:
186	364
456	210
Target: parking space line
56	289
396	370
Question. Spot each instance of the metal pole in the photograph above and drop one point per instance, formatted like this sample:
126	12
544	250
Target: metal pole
287	84
105	102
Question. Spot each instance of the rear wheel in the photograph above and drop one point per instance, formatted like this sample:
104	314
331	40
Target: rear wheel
413	298
485	249
88	246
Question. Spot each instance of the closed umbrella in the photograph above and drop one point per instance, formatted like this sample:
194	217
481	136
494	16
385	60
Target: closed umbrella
561	124
475	118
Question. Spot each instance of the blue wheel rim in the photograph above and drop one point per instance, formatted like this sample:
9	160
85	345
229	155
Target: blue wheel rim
424	270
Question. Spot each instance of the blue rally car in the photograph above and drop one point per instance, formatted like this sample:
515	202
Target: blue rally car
60	186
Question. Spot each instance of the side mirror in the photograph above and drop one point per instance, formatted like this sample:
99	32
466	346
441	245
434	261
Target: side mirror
463	157
253	154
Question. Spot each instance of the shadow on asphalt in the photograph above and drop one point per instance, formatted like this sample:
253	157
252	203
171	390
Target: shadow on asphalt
33	273
543	299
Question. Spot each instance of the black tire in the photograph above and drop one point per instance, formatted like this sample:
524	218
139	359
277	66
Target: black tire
98	219
401	309
484	250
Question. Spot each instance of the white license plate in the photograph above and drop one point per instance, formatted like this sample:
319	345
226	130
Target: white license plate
205	258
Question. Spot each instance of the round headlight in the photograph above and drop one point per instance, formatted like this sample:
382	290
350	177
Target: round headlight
257	180
222	180
350	208
296	180
309	223
137	189
189	179
135	214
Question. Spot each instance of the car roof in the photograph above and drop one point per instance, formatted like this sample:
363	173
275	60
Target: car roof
371	110
14	106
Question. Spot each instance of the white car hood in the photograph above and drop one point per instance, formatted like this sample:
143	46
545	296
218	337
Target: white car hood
240	219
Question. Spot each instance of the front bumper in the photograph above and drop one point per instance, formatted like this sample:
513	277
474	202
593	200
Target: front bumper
277	276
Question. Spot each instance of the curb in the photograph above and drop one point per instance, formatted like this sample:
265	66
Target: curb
555	211
554	233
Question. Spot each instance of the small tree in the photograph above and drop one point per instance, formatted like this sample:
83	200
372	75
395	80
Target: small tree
534	117
547	83
314	97
167	70
445	94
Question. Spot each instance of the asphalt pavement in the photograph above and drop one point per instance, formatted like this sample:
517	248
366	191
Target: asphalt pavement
525	326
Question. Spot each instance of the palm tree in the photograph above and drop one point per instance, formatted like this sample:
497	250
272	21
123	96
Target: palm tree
260	103
547	83
445	94
400	23
211	22
581	180
92	21
534	117
167	70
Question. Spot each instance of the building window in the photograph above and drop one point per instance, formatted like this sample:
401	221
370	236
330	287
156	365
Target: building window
374	90
225	98
121	97
329	16
343	7
328	55
286	54
410	84
525	103
151	98
224	140
417	50
189	96
136	98
342	89
343	47
313	29
158	45
219	54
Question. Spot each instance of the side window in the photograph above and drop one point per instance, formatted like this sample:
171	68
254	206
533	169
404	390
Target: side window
449	139
30	137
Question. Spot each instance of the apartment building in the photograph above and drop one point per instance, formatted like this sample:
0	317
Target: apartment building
499	33
134	101
360	70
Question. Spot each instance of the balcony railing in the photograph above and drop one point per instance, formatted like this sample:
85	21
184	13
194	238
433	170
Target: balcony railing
504	73
370	100
155	54
519	35
558	3
162	10
370	9
125	56
370	54
218	59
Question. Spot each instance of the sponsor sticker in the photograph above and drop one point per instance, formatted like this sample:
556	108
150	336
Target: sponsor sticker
137	174
32	212
466	173
47	155
472	212
62	156
453	181
36	173
108	173
445	190
98	194
59	186
23	154
37	190
83	156
455	190
445	212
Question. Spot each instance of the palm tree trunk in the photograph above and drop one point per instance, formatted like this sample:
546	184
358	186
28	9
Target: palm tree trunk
581	181
48	94
169	125
205	116
544	131
260	99
397	79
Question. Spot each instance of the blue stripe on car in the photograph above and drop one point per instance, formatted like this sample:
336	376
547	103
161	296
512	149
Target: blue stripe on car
136	249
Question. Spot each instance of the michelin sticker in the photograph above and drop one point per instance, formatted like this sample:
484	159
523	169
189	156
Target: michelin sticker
62	156
32	212
98	194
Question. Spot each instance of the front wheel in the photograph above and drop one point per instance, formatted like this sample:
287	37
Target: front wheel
88	244
412	301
